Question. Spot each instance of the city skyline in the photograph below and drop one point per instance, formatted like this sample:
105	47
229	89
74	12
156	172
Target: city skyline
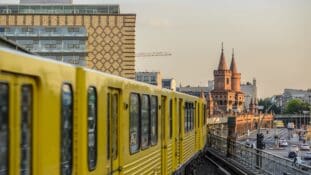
271	39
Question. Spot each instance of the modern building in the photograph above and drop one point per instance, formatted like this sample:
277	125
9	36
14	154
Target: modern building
289	94
169	83
250	91
46	1
11	45
154	78
195	90
227	94
97	36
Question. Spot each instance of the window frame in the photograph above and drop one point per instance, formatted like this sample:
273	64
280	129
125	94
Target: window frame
138	123
30	129
61	125
186	114
171	119
156	120
92	168
143	147
7	165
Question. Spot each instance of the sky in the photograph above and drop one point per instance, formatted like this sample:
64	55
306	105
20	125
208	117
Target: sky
271	38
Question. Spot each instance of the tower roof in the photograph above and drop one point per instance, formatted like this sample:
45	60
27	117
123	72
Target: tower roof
233	66
222	62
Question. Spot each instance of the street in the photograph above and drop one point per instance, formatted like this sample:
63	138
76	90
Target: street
269	140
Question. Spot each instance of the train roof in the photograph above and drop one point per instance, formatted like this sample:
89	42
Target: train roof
40	58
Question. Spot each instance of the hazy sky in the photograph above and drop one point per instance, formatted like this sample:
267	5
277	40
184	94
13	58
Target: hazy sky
272	39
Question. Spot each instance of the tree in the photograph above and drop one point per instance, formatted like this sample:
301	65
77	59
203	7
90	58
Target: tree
266	103
296	106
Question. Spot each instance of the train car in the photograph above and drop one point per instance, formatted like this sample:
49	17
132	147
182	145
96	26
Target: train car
61	119
36	115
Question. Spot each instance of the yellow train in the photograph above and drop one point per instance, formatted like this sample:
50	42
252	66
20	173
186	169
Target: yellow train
58	119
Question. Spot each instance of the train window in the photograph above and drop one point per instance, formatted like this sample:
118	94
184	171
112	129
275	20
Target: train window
134	122
92	127
189	116
145	121
198	116
108	126
4	129
154	119
114	125
192	116
171	118
26	125
66	129
186	117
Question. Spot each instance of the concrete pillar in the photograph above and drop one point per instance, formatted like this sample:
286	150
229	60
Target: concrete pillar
232	135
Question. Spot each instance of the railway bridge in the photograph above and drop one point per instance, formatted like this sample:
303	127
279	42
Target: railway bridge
224	155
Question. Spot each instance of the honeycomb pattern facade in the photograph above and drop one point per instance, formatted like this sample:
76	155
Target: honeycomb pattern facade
110	43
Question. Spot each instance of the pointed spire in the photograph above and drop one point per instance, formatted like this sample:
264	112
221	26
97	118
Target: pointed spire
233	66
222	62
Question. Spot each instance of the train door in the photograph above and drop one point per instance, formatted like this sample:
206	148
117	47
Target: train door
17	120
179	131
163	134
113	116
197	123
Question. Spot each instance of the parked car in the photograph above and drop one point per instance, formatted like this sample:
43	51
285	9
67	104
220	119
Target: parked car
283	143
294	148
305	147
307	156
292	154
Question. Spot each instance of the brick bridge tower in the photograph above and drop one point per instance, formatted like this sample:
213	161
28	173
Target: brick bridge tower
227	93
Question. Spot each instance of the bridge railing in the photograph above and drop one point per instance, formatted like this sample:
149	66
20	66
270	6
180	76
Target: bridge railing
255	159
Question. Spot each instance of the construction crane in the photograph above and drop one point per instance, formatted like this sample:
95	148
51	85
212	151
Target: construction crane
152	54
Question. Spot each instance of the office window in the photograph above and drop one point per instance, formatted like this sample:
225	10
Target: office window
134	122
73	29
153	78
146	78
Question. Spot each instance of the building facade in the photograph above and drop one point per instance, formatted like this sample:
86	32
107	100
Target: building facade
154	78
227	94
97	36
194	90
250	91
169	83
289	94
45	1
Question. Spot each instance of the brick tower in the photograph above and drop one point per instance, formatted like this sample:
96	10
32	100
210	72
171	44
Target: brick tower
226	93
236	85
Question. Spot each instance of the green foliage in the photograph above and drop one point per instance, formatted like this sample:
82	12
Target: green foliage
296	106
266	103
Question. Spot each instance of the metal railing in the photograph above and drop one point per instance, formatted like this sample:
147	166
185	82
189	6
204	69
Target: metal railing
255	159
